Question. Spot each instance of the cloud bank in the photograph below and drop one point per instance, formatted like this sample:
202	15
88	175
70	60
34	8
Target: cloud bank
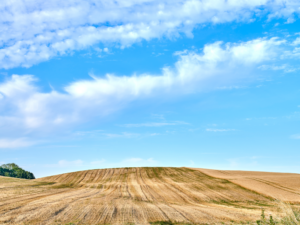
32	31
25	108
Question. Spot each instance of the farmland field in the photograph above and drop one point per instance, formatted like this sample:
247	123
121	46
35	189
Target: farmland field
144	196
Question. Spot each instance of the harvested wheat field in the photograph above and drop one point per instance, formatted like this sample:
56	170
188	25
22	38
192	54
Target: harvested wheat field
284	186
140	196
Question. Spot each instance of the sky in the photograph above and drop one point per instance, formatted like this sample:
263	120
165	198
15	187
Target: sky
195	83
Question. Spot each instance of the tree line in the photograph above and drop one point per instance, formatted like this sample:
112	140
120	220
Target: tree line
13	170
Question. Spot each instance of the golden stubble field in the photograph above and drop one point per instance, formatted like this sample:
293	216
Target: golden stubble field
144	196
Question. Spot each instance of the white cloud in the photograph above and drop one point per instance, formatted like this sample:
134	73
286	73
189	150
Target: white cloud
15	143
89	133
295	136
66	163
121	135
154	134
234	162
294	115
296	41
158	116
35	31
219	130
155	124
285	67
98	162
64	166
139	161
230	87
192	163
25	108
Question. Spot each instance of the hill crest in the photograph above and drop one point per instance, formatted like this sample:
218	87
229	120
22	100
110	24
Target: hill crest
131	195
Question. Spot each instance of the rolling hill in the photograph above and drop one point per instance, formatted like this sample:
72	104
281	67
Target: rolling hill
144	196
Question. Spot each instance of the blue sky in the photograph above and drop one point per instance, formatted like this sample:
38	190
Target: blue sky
98	84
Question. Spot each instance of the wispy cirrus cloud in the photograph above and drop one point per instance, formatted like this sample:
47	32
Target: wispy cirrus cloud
129	135
219	130
98	162
76	163
135	160
295	136
121	135
90	133
158	116
285	67
139	162
15	143
156	124
66	163
102	163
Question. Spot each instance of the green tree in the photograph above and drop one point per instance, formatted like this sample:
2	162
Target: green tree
13	170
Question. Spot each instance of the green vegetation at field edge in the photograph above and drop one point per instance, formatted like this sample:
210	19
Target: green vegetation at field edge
13	170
